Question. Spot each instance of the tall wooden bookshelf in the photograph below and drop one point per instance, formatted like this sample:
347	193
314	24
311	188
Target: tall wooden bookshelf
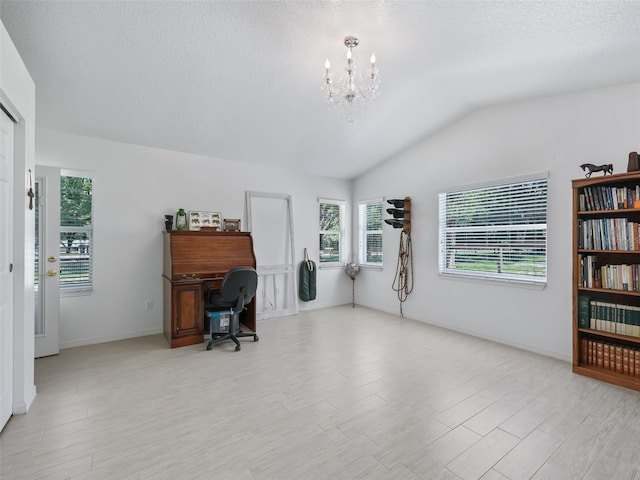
606	278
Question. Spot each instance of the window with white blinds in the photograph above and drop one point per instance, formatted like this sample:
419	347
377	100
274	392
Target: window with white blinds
370	232
496	232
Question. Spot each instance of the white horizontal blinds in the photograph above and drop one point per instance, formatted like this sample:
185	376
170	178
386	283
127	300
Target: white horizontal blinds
497	231
331	229
370	232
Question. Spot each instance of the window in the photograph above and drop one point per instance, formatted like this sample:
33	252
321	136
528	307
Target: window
76	233
370	232
331	231
496	232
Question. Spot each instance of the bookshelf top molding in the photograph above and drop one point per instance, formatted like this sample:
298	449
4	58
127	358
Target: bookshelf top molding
626	177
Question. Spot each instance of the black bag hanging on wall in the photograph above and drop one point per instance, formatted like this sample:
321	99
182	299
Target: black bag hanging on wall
307	285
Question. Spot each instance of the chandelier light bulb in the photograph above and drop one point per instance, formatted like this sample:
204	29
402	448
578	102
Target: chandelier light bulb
349	54
327	65
373	59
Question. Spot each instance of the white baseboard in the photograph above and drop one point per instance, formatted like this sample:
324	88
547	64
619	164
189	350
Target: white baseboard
23	407
313	305
502	341
110	338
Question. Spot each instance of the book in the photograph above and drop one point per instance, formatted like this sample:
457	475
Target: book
584	355
600	355
612	357
625	361
589	198
584	311
618	357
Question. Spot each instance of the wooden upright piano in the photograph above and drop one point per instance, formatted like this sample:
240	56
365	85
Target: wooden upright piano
192	258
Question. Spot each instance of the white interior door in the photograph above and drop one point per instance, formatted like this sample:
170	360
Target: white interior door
270	221
6	268
47	261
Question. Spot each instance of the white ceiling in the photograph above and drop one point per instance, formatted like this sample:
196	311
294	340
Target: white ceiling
241	79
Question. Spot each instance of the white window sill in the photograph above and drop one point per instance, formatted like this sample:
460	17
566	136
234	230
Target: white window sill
483	278
75	292
370	267
329	266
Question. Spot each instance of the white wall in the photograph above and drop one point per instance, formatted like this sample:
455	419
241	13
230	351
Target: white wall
134	187
17	90
553	134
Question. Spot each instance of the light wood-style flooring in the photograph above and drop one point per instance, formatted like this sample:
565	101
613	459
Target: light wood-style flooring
337	394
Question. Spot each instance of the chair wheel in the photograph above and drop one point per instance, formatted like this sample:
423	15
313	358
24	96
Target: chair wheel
237	348
255	338
209	346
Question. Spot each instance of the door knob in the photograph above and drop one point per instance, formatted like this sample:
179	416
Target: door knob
52	259
51	273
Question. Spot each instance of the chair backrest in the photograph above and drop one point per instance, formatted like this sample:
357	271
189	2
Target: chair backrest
239	285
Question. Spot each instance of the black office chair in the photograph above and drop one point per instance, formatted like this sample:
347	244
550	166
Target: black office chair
237	290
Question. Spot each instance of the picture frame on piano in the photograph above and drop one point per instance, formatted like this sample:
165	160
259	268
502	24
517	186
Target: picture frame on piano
200	219
231	225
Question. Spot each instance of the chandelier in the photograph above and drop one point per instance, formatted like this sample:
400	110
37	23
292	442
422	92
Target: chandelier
351	90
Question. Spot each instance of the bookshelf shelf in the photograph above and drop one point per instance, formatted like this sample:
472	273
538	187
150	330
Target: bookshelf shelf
617	252
602	333
621	211
606	253
610	290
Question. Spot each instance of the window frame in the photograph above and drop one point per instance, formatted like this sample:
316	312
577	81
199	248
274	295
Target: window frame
342	205
79	288
500	204
363	233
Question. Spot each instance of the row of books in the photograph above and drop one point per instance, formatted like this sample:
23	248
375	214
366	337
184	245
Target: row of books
604	197
608	317
608	234
615	358
613	277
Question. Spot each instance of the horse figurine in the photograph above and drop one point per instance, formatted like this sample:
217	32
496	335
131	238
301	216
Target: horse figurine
590	168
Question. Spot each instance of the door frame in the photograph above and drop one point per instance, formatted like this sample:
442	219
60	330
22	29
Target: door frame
8	248
24	389
48	343
277	269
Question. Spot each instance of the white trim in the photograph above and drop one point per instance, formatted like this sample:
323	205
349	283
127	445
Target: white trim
87	287
332	200
484	277
249	195
362	232
497	206
7	107
23	407
342	204
110	338
477	334
498	182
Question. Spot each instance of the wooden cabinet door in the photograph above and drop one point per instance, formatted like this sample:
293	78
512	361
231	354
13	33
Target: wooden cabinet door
187	310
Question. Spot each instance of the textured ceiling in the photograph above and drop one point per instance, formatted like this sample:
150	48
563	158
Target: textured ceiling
241	80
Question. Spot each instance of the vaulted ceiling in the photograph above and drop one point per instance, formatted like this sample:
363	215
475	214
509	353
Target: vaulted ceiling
241	80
